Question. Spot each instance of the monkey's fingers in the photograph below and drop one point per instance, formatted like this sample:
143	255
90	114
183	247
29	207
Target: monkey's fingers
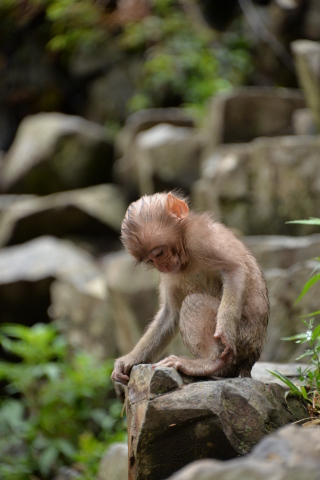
121	372
167	362
118	376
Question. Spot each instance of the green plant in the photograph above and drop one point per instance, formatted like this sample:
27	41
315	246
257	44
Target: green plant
185	64
69	24
308	387
180	60
50	402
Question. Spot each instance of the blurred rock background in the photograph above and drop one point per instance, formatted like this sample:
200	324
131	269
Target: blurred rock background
103	101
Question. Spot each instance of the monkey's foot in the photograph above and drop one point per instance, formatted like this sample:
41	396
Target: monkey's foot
196	367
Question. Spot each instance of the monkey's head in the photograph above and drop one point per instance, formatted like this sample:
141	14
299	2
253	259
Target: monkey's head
152	231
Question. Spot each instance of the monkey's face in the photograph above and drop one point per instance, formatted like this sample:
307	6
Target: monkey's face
164	259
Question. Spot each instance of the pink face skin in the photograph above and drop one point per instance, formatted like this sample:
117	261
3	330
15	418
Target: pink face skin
164	260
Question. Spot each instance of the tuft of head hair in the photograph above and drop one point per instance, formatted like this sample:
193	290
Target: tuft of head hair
151	221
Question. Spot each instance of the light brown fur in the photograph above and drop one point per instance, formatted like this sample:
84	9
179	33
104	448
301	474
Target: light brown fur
211	289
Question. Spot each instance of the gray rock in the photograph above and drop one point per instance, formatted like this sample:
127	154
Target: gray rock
53	152
124	169
247	113
285	285
114	464
287	4
46	257
307	55
303	122
7	200
66	473
261	371
133	297
168	153
145	119
280	251
258	187
27	270
85	317
93	210
290	453
169	429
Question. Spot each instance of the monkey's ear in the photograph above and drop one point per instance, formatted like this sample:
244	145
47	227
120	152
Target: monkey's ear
176	207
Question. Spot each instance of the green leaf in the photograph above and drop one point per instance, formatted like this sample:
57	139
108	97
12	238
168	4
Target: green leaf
310	221
312	314
315	334
12	412
304	392
307	287
286	381
66	448
299	336
47	459
305	354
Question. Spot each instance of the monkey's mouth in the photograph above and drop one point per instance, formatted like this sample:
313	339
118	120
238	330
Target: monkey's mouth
172	269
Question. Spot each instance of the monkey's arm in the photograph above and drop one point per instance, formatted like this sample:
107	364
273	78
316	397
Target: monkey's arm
235	281
158	335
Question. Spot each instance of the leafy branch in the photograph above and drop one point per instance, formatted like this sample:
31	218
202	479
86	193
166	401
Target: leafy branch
309	378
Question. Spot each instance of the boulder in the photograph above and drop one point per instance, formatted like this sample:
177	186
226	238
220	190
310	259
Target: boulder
172	422
7	200
291	452
67	473
285	286
84	316
166	156
114	464
142	121
258	187
27	270
280	251
148	118
53	152
307	56
250	112
93	211
261	371
303	122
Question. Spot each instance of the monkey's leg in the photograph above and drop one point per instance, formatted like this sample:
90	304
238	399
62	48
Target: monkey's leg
197	327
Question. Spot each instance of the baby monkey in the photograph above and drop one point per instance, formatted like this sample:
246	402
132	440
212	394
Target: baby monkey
211	289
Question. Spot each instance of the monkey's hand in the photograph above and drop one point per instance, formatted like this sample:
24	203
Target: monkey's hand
121	371
229	353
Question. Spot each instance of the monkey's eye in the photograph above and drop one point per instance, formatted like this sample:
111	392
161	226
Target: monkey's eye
160	254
